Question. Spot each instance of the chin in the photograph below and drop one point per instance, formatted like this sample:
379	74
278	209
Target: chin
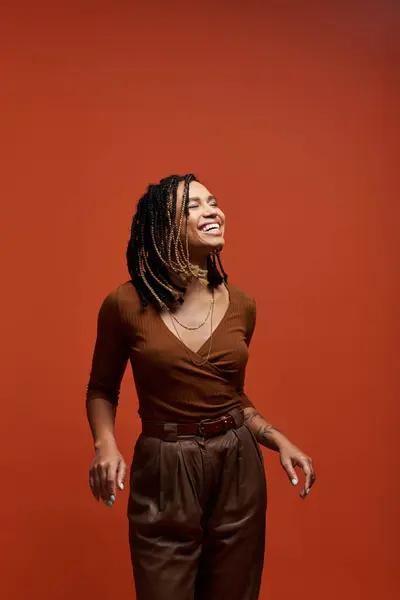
220	244
214	243
203	250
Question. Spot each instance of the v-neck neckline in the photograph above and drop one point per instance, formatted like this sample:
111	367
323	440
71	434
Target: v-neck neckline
213	333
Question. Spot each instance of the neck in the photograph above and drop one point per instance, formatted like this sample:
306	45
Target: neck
200	262
192	283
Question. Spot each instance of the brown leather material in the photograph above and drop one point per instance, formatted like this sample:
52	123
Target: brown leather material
197	511
206	427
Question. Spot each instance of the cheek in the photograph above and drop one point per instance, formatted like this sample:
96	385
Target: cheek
192	222
191	225
192	230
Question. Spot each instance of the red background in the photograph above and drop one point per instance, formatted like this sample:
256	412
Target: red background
287	112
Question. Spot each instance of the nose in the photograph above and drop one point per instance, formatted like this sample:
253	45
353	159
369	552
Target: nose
209	211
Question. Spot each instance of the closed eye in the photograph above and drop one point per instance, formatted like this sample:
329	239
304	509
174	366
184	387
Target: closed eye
195	202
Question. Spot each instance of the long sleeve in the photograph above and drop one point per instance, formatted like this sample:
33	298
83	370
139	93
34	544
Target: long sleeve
110	354
250	326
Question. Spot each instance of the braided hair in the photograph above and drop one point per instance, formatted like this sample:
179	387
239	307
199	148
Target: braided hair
156	250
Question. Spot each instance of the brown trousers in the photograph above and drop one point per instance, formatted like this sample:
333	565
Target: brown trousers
197	511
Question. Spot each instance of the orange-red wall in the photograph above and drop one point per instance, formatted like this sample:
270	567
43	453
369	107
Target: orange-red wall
287	112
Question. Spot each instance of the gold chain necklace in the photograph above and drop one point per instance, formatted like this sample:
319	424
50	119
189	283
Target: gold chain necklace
197	326
210	343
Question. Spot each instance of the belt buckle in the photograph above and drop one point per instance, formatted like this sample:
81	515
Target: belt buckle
224	420
201	427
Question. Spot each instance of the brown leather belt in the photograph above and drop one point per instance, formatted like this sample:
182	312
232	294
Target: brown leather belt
206	427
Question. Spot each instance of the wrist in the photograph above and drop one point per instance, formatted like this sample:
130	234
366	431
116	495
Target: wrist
104	440
274	438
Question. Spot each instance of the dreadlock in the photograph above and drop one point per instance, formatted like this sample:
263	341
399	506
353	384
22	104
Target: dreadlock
155	249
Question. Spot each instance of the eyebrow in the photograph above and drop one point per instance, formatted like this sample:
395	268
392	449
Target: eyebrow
197	198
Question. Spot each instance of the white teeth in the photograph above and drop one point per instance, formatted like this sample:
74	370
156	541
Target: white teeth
211	227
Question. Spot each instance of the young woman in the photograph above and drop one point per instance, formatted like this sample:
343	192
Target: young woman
197	501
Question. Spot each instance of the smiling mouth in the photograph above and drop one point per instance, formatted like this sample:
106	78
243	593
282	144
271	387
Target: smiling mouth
211	228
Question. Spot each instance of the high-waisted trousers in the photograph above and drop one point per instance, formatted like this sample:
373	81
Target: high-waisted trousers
197	514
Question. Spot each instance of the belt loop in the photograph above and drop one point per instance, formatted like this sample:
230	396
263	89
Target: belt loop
237	416
170	432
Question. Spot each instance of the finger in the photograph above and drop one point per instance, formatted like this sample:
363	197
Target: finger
313	475
291	473
308	473
102	474
96	483
311	465
91	484
111	474
121	474
312	470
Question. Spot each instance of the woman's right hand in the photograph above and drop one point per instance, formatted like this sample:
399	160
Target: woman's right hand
107	471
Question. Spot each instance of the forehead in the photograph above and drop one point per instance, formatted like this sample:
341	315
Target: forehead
196	190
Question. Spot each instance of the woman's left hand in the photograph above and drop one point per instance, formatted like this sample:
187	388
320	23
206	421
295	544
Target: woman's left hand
291	457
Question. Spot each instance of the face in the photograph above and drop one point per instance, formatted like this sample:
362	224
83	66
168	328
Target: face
206	221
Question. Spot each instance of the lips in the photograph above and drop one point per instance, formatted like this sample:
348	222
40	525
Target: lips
214	227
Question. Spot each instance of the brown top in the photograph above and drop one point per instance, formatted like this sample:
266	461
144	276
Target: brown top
169	386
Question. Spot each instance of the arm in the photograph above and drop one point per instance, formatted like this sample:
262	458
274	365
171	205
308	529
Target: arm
270	437
290	455
264	432
109	362
101	415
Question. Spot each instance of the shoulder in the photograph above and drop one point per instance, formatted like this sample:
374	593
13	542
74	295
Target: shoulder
244	306
241	298
122	300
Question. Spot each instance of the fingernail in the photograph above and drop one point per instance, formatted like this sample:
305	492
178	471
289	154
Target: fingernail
121	486
294	481
109	503
307	491
112	498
